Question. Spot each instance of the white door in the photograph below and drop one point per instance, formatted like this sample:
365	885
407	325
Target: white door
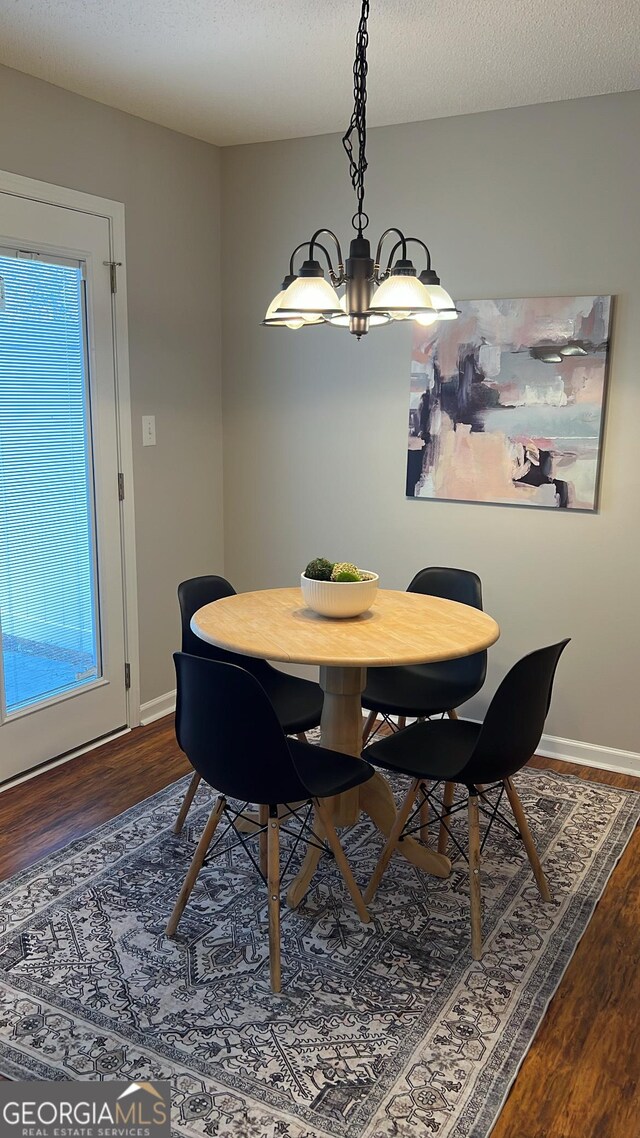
62	641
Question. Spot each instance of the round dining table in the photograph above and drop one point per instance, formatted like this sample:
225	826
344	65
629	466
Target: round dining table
400	628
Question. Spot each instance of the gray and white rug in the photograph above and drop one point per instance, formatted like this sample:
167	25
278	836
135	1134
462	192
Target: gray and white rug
382	1031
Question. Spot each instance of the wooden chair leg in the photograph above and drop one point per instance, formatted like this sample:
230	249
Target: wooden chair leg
402	722
447	799
474	877
196	865
273	885
301	737
525	834
392	840
424	821
341	860
188	799
368	726
263	817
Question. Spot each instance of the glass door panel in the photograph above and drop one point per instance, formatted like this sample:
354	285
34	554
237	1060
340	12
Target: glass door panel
48	595
63	673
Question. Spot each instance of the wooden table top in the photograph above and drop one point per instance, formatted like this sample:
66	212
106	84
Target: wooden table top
401	628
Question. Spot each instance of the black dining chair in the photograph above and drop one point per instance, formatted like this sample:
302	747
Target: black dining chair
297	702
480	757
229	731
421	690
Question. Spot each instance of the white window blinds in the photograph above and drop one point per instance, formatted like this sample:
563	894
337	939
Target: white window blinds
47	546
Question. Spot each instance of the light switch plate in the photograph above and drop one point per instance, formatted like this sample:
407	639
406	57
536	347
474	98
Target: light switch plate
148	430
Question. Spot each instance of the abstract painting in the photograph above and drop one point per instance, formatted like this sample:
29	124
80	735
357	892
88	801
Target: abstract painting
507	403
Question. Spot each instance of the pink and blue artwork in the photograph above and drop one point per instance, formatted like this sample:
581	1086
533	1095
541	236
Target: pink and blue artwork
507	403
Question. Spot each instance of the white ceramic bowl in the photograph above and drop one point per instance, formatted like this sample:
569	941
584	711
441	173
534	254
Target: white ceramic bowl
339	598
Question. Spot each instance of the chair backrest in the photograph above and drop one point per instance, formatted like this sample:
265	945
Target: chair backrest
226	726
193	595
513	725
465	587
451	584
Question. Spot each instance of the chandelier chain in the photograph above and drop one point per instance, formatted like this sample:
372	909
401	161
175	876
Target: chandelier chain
358	123
374	294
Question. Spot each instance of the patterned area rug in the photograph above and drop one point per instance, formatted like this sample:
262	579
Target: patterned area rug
382	1031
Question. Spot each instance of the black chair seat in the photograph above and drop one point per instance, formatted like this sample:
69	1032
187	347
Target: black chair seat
418	689
297	702
326	772
435	751
481	757
232	736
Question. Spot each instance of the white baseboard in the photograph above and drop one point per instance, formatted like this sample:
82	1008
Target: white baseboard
586	754
157	708
551	746
589	755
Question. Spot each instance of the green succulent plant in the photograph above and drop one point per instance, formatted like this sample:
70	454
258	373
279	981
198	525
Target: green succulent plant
345	571
319	569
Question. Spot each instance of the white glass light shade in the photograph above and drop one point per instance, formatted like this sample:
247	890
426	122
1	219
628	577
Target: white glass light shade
293	320
400	296
271	317
442	302
439	296
311	296
343	321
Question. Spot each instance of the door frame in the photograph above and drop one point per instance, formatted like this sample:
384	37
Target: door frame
113	212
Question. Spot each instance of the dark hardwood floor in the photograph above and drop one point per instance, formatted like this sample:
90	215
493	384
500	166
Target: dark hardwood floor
581	1077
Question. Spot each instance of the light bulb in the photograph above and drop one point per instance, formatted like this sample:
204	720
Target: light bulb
427	318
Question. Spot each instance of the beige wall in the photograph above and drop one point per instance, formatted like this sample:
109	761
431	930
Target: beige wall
537	200
534	201
170	187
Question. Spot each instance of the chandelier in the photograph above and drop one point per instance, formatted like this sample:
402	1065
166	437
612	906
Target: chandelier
372	295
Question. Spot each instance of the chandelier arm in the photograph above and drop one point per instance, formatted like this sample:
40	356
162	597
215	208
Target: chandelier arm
335	277
407	241
402	242
310	245
302	245
391	256
358	121
419	241
331	234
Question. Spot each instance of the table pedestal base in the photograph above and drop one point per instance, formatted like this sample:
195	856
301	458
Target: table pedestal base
341	730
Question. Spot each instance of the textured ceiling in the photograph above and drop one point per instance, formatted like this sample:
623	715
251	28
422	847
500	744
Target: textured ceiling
232	71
